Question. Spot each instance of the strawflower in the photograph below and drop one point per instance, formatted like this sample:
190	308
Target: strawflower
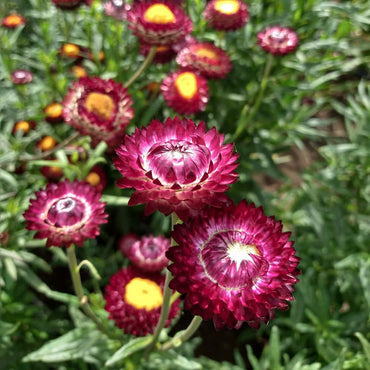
185	91
21	77
24	126
234	264
226	15
134	299
157	22
116	9
97	178
13	21
206	58
46	143
163	53
53	112
70	4
66	213
278	40
176	166
99	108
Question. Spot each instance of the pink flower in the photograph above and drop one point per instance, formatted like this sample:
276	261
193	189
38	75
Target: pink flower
176	166
234	264
98	108
134	299
21	77
226	15
185	91
159	22
66	213
116	9
278	40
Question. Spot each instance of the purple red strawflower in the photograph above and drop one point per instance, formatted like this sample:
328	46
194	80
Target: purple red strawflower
278	40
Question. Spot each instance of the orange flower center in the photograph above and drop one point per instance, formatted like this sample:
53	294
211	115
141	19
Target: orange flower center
22	125
79	71
162	48
93	179
54	110
159	14
100	104
227	6
143	294
71	50
47	143
13	20
186	84
207	53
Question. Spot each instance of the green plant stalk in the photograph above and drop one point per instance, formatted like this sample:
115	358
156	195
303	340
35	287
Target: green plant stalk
143	66
243	122
77	285
183	335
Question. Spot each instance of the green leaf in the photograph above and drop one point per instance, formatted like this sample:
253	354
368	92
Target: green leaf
364	276
365	345
128	349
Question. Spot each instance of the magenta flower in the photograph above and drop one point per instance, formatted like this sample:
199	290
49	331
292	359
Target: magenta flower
159	22
206	58
185	91
163	54
278	40
148	253
21	77
176	166
70	4
66	213
134	299
226	15
125	242
98	108
234	264
116	9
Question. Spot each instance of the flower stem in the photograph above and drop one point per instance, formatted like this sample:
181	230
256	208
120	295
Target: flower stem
142	68
183	335
77	285
246	117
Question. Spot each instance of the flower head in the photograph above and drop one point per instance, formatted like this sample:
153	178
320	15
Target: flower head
97	178
116	9
70	4
13	21
234	264
159	22
134	299
24	126
52	173
99	108
206	58
66	213
71	51
278	40
148	253
176	166
21	77
46	143
163	54
226	15
54	113
185	91
78	71
125	242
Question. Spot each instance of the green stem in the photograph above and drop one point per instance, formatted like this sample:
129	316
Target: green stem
183	335
77	285
142	68
245	118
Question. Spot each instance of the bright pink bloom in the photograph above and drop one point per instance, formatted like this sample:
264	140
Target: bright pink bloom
125	242
21	77
134	299
176	166
116	9
66	213
234	264
278	40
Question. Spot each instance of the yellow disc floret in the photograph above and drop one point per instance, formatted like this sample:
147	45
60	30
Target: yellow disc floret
186	84
206	53
93	179
159	14
71	50
100	104
143	294
13	20
227	6
54	110
22	125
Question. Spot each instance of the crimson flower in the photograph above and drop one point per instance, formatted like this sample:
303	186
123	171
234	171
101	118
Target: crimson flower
66	213
176	166
185	91
98	108
226	15
21	77
134	299
163	53
234	264
70	4
13	21
53	112
206	58
278	40
97	178
159	22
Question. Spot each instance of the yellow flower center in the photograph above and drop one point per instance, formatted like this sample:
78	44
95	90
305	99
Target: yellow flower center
79	71
100	104
143	294
227	6
186	84
13	20
93	179
71	50
238	253
159	14
54	110
22	125
47	143
207	53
